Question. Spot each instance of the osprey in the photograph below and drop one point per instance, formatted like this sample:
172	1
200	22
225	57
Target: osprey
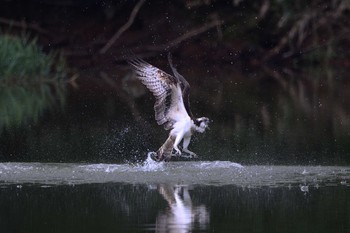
172	107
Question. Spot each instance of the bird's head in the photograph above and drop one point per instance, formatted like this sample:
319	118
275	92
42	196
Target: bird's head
201	124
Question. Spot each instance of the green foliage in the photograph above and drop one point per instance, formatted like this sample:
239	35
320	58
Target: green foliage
21	60
30	81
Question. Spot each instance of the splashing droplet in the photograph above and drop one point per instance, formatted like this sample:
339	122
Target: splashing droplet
150	165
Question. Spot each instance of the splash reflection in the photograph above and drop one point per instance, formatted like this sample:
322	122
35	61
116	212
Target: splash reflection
181	215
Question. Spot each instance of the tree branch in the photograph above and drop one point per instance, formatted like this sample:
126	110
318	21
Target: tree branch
124	27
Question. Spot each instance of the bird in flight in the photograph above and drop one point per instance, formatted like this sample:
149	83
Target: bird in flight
172	107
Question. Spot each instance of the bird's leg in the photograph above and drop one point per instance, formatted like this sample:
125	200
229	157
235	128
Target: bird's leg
164	152
185	144
176	143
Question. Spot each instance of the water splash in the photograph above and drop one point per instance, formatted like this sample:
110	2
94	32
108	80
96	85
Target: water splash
150	165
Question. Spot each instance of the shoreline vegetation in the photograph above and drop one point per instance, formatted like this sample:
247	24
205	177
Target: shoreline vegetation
30	81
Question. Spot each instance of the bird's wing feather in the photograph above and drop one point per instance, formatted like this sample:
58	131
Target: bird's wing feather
169	106
185	86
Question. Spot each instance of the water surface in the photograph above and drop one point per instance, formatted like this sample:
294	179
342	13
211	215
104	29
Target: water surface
197	196
189	173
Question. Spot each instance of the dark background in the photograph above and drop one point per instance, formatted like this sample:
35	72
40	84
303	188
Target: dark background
273	76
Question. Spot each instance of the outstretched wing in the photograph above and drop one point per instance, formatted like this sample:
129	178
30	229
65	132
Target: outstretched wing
185	86
169	106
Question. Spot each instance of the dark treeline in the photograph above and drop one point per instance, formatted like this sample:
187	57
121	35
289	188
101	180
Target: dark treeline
248	32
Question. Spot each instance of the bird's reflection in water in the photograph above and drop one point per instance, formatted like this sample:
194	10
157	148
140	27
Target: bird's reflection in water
181	215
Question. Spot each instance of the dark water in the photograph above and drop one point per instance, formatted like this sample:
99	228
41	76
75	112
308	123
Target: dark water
71	156
203	196
270	117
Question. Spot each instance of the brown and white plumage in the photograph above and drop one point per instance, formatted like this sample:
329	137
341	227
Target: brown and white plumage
171	108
